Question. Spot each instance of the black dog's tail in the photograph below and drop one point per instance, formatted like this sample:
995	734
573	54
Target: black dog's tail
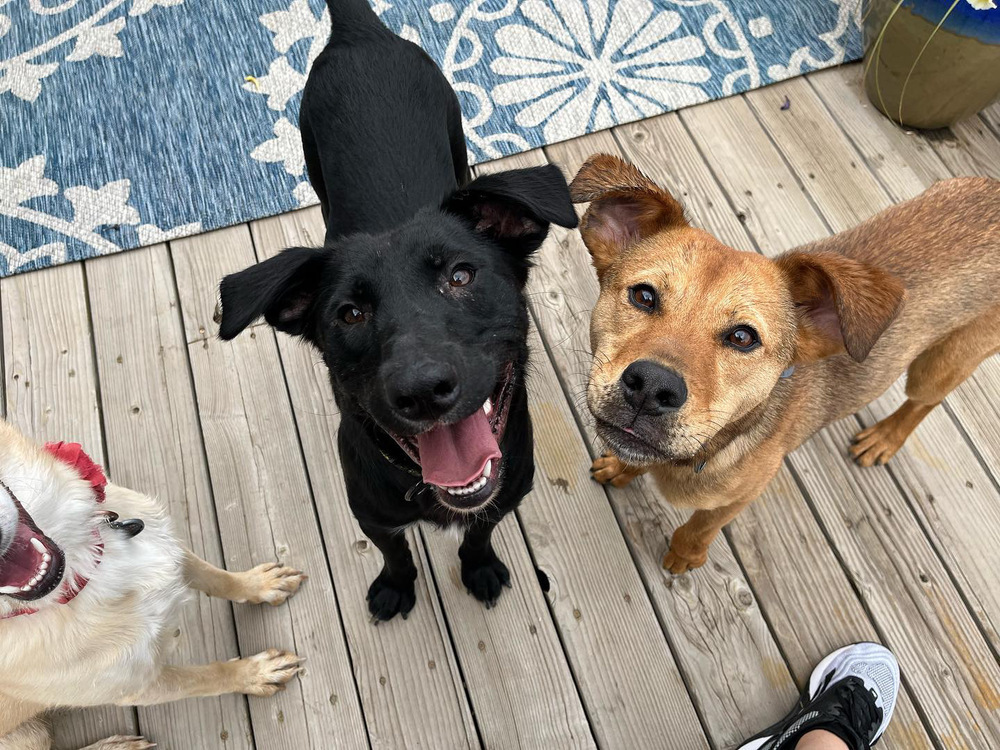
347	16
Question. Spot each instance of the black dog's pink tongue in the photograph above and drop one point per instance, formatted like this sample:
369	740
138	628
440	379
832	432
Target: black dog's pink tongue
455	455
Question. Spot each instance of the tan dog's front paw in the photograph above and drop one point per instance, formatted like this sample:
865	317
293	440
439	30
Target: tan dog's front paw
876	444
609	470
266	673
678	563
271	583
120	742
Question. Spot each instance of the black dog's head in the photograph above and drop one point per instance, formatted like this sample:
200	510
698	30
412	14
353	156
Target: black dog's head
423	327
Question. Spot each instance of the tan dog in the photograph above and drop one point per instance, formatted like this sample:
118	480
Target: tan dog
711	364
88	602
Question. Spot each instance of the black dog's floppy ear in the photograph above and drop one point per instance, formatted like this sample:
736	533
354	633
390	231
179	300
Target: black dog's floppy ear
282	289
517	206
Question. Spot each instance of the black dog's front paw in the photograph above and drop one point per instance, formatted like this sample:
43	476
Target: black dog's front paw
388	597
485	579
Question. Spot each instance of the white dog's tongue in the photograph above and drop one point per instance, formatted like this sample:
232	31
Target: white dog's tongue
23	559
455	455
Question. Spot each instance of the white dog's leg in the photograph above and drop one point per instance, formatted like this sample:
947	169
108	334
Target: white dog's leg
120	742
32	735
270	582
263	674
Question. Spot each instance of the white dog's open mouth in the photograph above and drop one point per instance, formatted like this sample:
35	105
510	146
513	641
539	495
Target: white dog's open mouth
33	565
462	459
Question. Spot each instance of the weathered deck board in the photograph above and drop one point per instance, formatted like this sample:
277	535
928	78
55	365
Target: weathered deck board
52	394
974	563
891	622
812	169
617	653
415	657
597	597
154	446
806	629
264	505
730	662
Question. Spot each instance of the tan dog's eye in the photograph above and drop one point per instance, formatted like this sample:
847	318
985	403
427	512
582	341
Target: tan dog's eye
643	296
462	276
743	338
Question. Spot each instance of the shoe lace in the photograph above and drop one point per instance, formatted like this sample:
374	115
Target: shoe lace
855	706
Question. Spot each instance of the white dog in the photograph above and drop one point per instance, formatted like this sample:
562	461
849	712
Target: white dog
87	607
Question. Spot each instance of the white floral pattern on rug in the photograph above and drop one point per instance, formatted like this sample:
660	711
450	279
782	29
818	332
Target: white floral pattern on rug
578	67
163	118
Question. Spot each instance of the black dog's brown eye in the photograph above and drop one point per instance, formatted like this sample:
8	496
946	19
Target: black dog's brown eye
643	296
743	338
351	315
462	276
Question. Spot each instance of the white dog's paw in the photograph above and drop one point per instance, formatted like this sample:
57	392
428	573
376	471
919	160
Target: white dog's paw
120	742
272	583
266	673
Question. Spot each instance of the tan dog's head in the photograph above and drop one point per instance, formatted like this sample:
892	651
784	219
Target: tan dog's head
690	335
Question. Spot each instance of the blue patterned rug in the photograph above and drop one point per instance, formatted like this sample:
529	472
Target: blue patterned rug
129	122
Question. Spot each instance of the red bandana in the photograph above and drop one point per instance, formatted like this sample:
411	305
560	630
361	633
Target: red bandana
87	468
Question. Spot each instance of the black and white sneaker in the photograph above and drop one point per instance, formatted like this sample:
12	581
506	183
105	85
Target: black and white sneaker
852	693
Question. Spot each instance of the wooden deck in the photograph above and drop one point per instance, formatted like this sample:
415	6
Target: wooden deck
595	645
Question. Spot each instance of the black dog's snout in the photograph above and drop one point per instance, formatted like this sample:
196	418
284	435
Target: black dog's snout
424	391
653	389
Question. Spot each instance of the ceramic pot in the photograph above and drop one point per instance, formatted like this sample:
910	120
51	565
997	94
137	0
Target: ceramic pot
935	83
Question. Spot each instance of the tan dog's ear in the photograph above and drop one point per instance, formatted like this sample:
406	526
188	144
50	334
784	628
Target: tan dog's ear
626	206
842	304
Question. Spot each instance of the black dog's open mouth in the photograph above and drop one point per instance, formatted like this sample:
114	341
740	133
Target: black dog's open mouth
462	460
33	565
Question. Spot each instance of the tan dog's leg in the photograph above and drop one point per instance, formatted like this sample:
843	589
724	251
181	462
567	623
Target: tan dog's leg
270	582
689	543
934	374
608	469
263	674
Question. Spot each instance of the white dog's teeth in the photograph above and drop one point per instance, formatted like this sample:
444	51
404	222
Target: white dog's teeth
26	588
487	407
46	558
39	547
488	468
9	589
33	582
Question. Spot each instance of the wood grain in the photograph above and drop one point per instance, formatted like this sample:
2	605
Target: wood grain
956	471
833	178
264	505
730	662
779	542
409	681
625	671
51	394
154	446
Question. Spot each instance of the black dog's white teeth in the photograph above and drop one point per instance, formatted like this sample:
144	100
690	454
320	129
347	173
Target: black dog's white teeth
473	487
487	407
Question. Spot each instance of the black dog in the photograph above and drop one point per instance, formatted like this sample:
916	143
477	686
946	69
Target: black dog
416	302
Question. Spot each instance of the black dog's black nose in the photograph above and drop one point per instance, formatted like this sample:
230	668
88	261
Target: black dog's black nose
652	388
424	391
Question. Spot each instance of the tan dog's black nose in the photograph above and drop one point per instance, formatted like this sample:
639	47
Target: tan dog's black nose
650	388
